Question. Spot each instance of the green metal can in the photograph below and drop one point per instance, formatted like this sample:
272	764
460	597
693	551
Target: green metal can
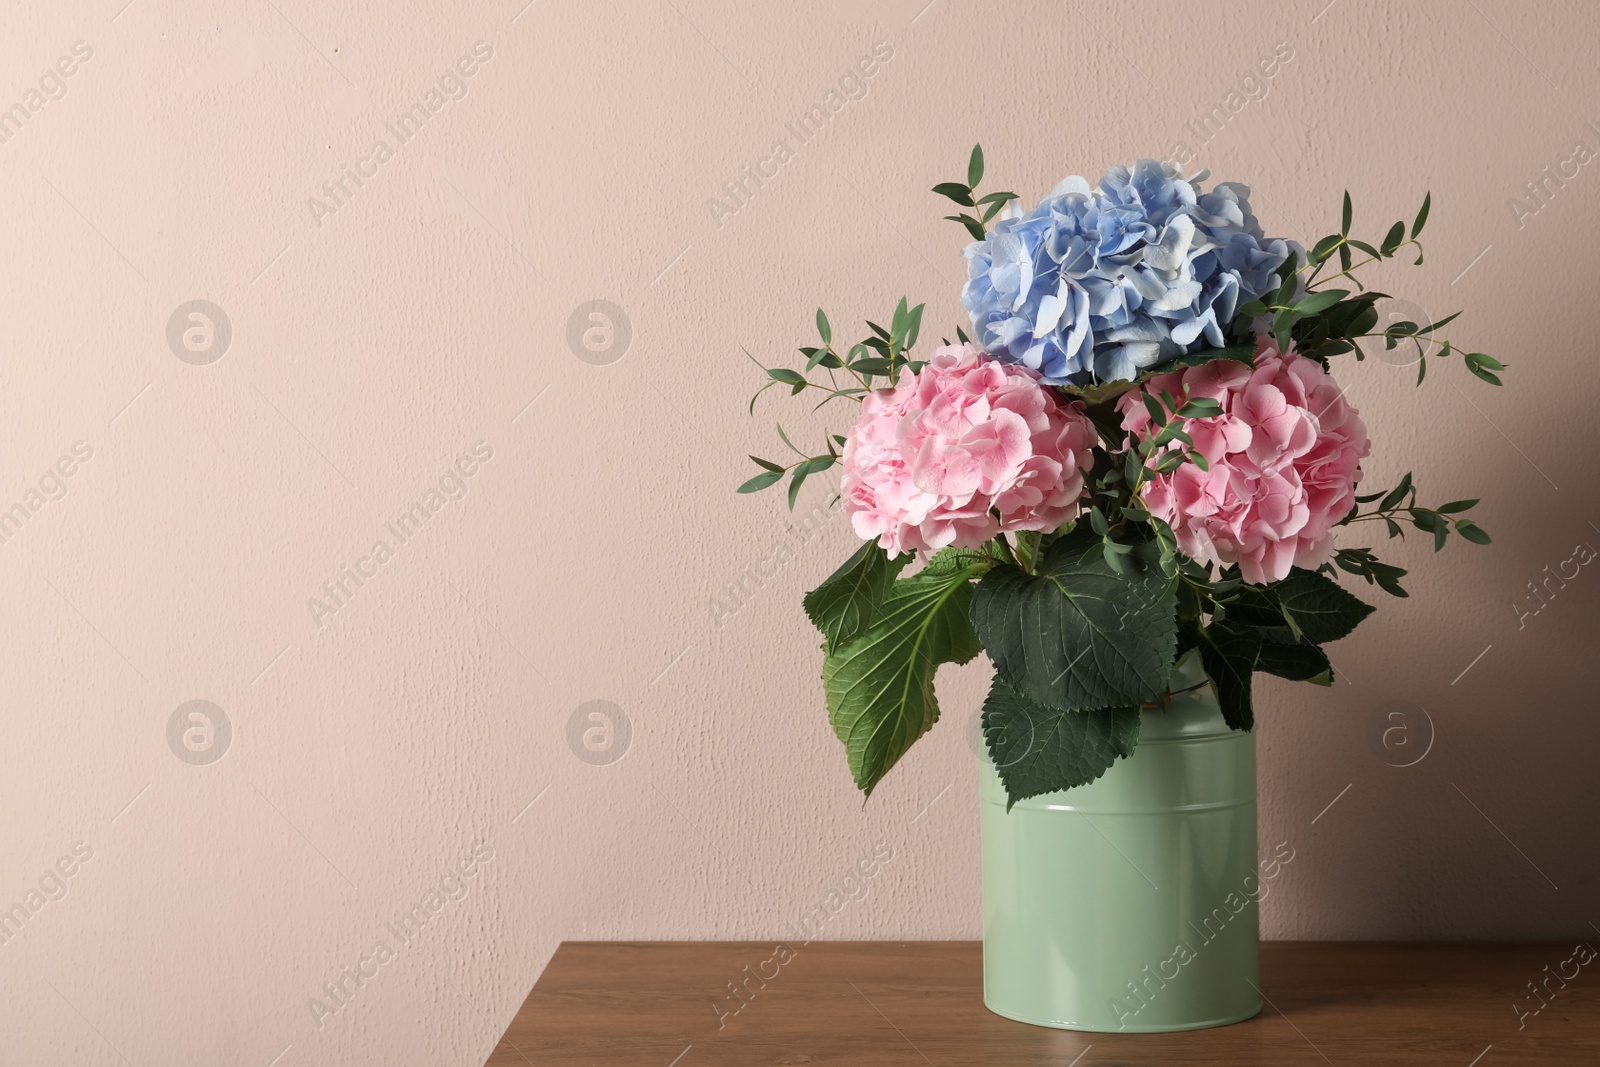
1131	903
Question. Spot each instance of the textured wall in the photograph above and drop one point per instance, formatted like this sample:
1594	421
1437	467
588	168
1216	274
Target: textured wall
412	741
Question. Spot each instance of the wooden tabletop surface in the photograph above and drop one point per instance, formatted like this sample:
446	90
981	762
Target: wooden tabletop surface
915	1004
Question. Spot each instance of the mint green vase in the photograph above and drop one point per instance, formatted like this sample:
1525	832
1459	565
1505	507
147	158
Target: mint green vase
1130	904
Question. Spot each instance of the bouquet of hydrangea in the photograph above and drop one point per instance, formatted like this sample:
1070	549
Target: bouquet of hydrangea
1138	454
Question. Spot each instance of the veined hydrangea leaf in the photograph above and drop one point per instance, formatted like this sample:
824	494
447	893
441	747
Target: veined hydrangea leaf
879	683
1038	749
1078	635
844	604
1311	605
1295	661
1229	654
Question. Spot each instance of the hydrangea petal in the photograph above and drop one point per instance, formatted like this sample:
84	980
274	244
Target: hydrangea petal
1283	460
966	448
1145	249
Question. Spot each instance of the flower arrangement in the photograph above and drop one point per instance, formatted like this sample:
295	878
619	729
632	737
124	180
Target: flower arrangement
1139	454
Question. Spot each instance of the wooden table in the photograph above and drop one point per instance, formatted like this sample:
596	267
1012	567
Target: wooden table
912	1004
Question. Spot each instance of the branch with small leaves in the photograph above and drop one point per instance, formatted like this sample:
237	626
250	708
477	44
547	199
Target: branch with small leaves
1362	563
965	194
881	355
1328	322
1401	503
801	469
1342	243
1115	496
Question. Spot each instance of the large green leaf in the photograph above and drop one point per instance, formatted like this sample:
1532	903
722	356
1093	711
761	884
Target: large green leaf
1229	655
1311	605
1298	662
1078	635
844	604
948	561
879	683
1040	750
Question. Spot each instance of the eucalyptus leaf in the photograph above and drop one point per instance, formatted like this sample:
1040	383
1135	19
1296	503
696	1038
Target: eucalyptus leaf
1422	214
804	470
1392	239
1320	301
1282	324
1324	248
761	481
1397	494
1102	392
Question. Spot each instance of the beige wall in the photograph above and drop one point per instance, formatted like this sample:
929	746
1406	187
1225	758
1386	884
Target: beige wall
592	555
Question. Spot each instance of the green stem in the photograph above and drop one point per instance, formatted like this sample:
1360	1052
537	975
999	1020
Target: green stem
1005	549
1346	272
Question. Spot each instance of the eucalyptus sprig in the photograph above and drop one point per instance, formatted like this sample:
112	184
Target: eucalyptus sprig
1328	322
1115	506
1362	563
772	473
880	355
984	208
1401	503
1393	507
1342	243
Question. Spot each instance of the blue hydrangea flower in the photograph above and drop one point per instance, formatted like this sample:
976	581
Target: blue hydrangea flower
1098	285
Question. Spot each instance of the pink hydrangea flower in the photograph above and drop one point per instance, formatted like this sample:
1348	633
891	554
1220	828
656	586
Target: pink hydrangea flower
1283	462
969	447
